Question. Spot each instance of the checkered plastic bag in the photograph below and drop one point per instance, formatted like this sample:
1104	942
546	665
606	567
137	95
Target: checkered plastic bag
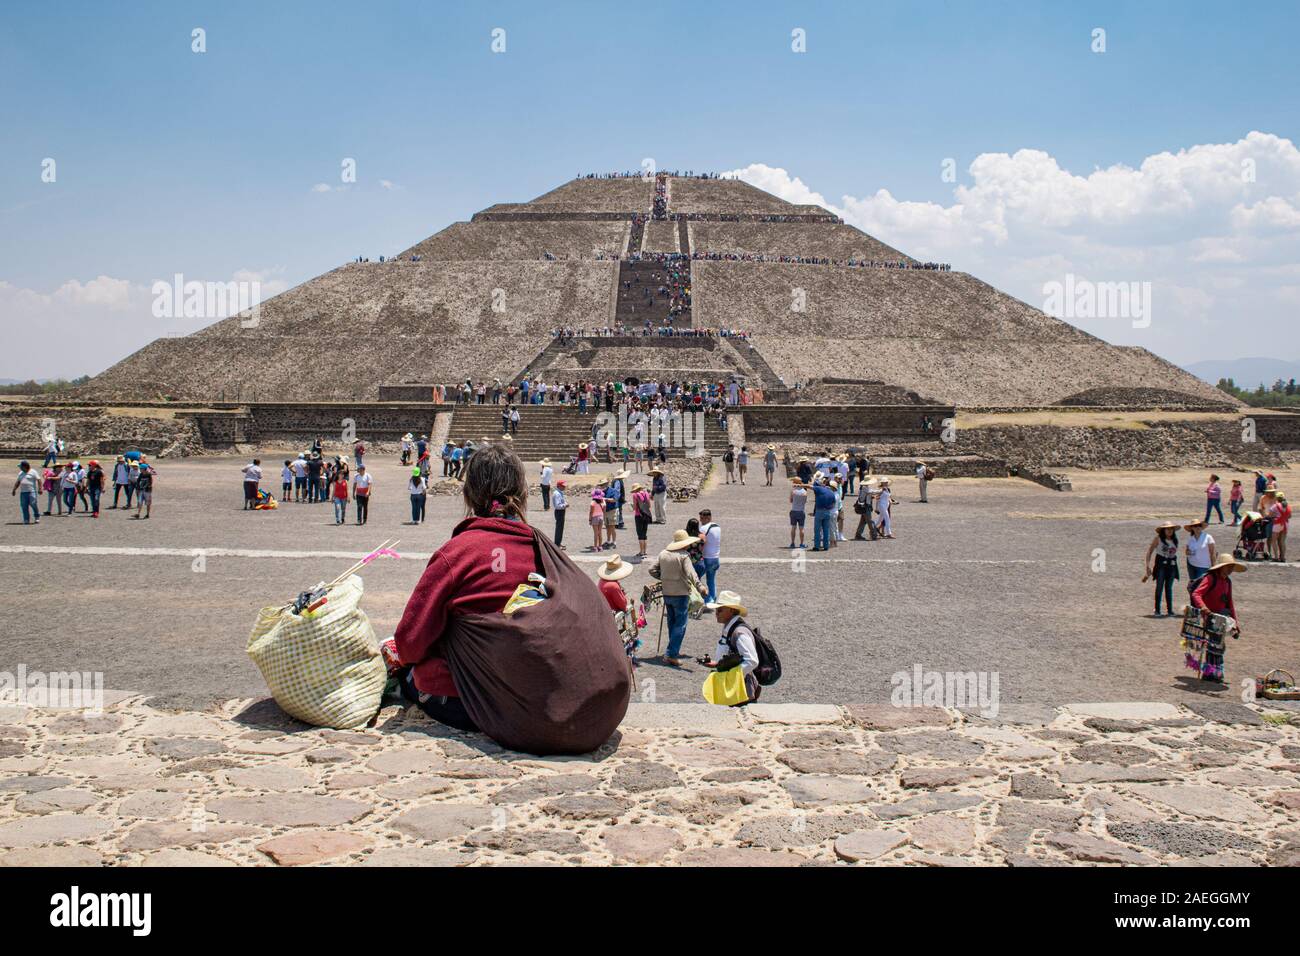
323	667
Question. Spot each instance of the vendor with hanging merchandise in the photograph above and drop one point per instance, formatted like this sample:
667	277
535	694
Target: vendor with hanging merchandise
1213	596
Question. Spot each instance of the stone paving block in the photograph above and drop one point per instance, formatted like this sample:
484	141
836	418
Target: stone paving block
421	856
1212	803
1134	710
442	821
734	856
52	856
1225	712
706	717
889	717
288	810
868	844
640	843
795	713
179	857
809	790
312	846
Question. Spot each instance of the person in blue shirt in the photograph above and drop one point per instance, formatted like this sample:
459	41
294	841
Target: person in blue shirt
825	504
1261	486
457	459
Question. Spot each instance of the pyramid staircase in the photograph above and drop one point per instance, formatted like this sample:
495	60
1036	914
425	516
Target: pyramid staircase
554	431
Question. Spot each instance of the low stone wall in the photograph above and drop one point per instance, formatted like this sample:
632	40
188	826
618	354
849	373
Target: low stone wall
839	425
1280	431
298	422
94	431
1034	449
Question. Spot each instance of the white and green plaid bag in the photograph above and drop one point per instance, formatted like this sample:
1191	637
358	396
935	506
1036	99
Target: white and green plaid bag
323	668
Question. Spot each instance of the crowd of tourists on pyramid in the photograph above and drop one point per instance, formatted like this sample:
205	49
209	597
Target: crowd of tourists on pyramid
642	174
647	330
820	261
671	288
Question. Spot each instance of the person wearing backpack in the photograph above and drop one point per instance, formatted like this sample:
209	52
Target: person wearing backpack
729	460
737	646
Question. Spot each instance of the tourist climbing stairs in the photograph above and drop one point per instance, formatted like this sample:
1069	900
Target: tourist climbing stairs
639	297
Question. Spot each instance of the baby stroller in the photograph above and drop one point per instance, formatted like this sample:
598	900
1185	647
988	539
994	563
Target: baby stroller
572	467
1252	542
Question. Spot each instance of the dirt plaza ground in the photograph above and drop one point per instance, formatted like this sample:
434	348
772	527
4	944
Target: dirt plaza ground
1005	577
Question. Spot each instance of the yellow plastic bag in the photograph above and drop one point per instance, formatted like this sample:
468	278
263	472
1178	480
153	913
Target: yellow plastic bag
726	687
322	667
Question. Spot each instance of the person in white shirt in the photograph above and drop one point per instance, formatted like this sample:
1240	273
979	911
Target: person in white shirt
299	466
1200	551
419	491
361	487
884	505
561	507
737	646
548	473
921	472
711	535
28	489
286	481
121	481
252	478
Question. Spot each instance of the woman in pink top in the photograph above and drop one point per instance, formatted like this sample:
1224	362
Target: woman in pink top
1236	498
1212	495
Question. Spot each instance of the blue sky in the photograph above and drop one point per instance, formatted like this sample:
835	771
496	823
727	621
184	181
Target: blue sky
204	164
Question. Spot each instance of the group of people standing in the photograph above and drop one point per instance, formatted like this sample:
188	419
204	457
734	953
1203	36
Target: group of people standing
67	484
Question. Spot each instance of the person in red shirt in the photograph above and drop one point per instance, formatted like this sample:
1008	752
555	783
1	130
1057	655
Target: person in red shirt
489	555
610	573
1213	595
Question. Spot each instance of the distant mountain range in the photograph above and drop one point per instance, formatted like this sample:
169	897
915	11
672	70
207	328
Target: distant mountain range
1245	372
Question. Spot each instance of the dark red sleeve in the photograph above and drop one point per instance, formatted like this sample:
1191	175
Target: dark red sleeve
1202	589
426	612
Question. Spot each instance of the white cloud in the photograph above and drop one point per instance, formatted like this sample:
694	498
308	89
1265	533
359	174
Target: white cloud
320	188
1215	228
82	327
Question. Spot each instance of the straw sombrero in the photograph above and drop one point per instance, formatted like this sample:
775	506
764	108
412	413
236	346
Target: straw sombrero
638	487
1167	526
620	475
728	599
582	446
680	540
1196	523
1227	562
614	569
654	471
545	461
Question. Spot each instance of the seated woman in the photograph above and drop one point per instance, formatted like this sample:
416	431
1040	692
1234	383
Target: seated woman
547	678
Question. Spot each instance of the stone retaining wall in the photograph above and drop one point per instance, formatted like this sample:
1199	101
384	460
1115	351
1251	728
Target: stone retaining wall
839	425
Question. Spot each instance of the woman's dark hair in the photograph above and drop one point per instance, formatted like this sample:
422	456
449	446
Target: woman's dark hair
693	527
495	485
1172	535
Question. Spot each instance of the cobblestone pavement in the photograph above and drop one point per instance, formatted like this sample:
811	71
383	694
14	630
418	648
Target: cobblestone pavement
159	782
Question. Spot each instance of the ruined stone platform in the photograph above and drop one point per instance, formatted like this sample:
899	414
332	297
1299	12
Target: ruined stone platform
156	782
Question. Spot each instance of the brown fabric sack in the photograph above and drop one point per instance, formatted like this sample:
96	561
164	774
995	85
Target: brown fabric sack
553	678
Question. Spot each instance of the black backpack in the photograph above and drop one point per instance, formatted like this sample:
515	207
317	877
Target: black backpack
768	671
